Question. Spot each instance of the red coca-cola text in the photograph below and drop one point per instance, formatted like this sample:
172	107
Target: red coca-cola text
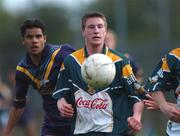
97	103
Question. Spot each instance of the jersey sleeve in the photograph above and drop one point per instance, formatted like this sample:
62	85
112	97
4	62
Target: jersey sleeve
20	90
133	87
66	49
163	77
62	88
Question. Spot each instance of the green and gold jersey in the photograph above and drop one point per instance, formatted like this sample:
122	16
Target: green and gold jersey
166	74
166	77
104	110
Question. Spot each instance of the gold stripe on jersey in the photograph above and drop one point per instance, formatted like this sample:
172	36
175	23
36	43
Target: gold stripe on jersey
79	55
62	67
113	56
175	52
165	66
25	71
127	71
49	67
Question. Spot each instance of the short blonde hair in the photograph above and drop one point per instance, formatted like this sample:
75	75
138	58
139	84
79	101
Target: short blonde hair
92	14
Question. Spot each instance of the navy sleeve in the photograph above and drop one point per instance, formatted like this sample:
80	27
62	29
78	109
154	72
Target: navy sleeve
66	49
164	76
62	88
20	90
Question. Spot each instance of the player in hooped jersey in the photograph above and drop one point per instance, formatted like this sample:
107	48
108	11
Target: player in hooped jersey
39	68
166	77
114	110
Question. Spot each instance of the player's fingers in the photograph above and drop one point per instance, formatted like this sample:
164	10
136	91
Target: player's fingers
68	107
134	125
150	104
66	110
151	108
65	114
148	96
135	128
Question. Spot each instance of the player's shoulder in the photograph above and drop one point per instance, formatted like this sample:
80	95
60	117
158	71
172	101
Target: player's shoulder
52	47
76	55
64	46
49	49
23	62
62	49
115	55
78	52
21	68
175	53
67	46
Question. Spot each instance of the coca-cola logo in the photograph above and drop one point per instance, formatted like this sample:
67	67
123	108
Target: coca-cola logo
97	103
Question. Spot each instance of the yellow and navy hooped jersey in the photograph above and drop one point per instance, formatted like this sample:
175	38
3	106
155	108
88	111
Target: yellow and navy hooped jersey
166	75
112	104
43	77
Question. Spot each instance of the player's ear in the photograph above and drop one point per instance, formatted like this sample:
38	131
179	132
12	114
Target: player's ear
82	32
45	38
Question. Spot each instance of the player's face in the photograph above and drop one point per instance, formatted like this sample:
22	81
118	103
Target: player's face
94	31
34	41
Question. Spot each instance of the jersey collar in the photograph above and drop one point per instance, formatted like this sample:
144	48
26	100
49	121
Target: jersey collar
104	51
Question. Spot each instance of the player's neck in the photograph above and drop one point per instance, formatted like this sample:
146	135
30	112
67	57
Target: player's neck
91	49
36	59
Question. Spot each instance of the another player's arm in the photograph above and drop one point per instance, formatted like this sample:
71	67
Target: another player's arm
156	89
18	105
62	91
132	86
152	105
159	98
14	116
134	122
138	110
169	109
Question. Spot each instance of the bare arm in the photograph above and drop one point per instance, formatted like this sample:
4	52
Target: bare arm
14	115
152	105
134	122
169	109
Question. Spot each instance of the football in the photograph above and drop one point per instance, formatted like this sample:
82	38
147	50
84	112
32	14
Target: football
98	71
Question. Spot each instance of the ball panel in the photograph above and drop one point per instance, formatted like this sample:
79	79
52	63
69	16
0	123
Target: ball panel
98	71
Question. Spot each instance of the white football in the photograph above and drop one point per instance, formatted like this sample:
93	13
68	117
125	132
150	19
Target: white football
98	71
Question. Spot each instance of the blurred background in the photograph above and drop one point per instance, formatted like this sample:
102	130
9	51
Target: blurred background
146	29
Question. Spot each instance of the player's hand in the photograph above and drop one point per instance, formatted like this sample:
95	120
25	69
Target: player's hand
134	125
150	104
66	110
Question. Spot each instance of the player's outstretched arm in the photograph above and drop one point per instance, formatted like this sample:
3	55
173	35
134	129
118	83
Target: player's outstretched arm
134	122
152	105
14	115
66	110
169	109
